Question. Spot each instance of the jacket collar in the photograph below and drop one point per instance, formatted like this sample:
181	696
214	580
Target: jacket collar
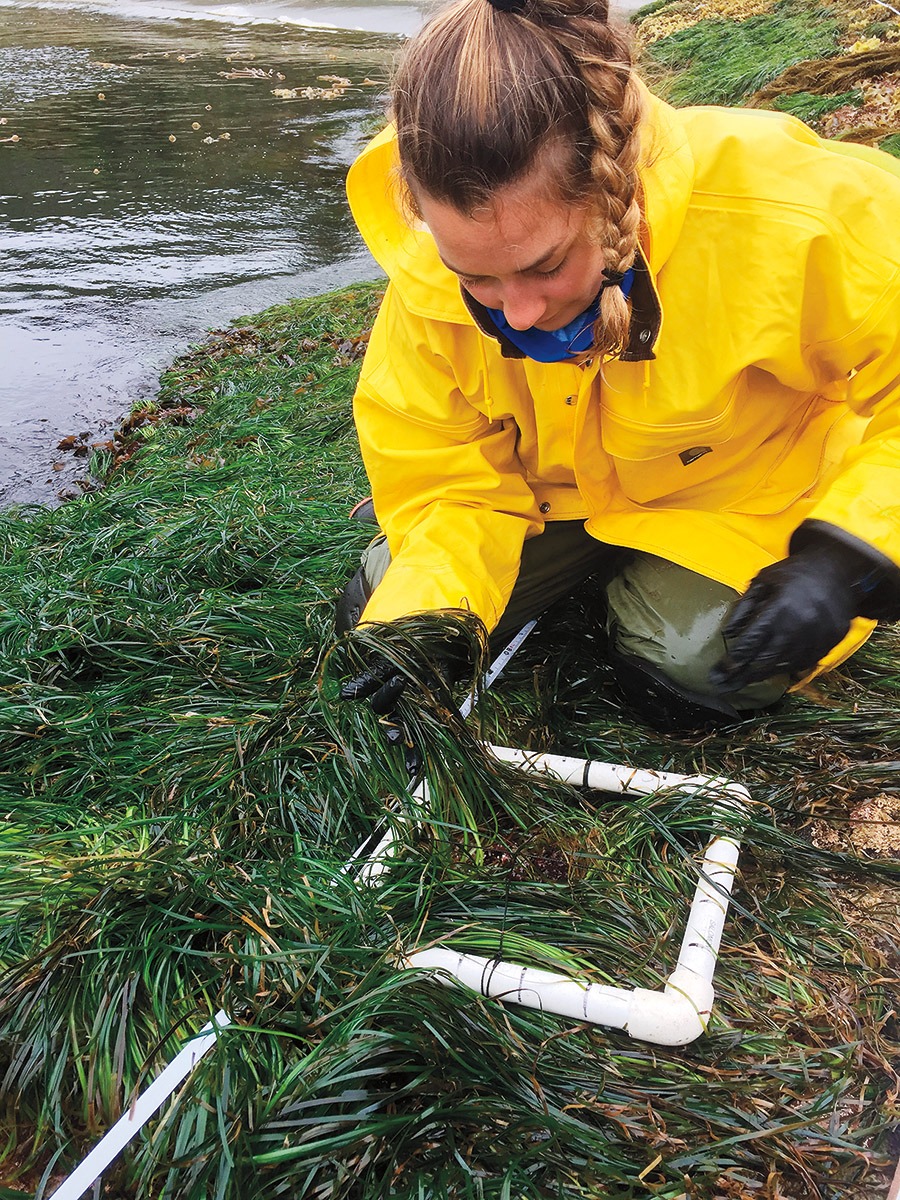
646	318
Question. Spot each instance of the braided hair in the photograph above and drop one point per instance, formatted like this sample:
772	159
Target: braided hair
488	87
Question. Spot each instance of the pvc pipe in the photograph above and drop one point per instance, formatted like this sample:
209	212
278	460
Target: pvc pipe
706	920
143	1108
379	858
529	986
672	1017
608	777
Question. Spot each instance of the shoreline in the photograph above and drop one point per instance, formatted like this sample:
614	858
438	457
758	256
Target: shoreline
157	186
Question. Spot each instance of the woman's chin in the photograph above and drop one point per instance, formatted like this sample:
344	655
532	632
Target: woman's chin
562	318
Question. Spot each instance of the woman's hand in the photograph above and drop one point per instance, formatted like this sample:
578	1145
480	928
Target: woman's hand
421	655
795	611
382	685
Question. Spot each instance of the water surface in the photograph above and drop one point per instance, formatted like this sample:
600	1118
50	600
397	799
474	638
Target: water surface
157	187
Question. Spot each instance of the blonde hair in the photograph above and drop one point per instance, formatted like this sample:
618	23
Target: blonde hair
481	94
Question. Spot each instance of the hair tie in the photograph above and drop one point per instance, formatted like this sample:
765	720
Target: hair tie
510	6
611	278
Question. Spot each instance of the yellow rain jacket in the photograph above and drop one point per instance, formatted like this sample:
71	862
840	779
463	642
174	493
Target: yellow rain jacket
760	388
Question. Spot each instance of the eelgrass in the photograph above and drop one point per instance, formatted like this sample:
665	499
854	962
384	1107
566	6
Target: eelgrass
181	788
810	107
719	61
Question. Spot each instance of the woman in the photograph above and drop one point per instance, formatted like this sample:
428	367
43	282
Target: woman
659	344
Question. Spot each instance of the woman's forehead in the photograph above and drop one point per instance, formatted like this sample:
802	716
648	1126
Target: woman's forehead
518	231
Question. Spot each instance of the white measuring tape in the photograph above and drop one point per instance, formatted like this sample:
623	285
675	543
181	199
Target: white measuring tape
140	1112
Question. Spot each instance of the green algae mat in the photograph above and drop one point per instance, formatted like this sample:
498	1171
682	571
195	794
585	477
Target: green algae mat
834	65
180	790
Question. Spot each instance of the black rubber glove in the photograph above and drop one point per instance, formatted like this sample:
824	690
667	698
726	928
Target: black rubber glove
795	611
382	686
431	665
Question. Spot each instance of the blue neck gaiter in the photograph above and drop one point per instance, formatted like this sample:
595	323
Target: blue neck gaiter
557	345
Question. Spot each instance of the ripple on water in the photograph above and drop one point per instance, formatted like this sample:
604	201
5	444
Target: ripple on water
385	16
32	73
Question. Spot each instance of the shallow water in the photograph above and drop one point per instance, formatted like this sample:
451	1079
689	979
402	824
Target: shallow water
125	232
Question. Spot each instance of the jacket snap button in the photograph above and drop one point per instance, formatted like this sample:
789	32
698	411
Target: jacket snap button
571	399
644	336
545	507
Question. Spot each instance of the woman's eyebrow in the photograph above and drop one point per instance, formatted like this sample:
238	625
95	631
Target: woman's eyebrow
536	265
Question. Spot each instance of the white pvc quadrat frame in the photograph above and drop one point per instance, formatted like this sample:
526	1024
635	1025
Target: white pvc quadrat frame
673	1016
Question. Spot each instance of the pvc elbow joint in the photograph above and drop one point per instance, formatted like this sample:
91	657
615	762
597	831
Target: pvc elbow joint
673	1017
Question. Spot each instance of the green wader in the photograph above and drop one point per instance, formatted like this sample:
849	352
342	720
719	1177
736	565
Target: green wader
664	622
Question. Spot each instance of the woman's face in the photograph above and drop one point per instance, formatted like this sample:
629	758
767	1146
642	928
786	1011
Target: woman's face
525	253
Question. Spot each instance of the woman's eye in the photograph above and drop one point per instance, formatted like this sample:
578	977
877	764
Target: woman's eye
473	281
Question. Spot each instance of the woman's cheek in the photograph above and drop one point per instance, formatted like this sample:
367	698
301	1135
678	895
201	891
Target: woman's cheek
570	287
488	296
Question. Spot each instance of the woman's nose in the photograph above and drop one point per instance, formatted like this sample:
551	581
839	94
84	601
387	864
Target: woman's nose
522	307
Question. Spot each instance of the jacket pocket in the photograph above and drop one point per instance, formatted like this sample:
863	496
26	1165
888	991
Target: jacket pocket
655	460
763	448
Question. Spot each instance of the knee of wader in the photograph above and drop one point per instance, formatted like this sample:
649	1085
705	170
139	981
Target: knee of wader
661	701
665	625
351	602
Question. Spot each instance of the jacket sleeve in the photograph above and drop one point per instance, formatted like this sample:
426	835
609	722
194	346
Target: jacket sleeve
851	318
449	490
863	498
